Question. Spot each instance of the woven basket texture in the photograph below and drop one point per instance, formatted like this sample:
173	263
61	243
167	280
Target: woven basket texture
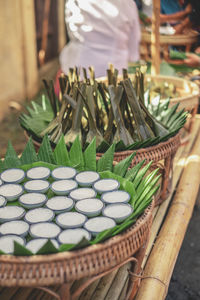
68	266
155	153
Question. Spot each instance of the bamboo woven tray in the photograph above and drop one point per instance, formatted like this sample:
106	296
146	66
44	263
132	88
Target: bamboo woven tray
188	90
189	99
52	269
176	39
162	155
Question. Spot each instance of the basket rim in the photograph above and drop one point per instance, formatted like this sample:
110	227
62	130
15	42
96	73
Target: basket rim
173	139
157	146
193	85
140	150
185	38
56	257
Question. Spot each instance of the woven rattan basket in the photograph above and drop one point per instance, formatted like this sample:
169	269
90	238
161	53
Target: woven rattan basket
189	99
63	268
162	156
176	39
184	39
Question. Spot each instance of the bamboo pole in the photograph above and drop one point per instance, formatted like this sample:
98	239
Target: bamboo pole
29	47
159	212
61	25
161	263
155	39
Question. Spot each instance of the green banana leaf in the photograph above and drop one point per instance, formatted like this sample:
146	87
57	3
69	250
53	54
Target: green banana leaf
137	186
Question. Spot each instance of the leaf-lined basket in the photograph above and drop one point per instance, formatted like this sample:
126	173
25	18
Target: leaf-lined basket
117	112
135	181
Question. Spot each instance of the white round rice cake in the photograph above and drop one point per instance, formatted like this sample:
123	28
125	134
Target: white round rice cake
87	178
40	214
44	230
99	224
82	193
14	227
13	175
118	211
7	243
38	173
32	200
70	220
11	212
60	204
115	197
73	236
63	187
61	173
106	185
37	186
11	191
89	207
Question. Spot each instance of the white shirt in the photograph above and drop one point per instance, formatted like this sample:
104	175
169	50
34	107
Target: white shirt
101	32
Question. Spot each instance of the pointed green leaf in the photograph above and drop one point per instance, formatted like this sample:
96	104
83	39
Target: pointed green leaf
122	167
105	163
66	247
146	181
102	236
170	113
131	174
45	152
11	159
152	192
123	226
147	192
76	154
61	154
103	147
129	187
120	146
141	174
175	117
90	156
20	250
140	209
28	155
47	248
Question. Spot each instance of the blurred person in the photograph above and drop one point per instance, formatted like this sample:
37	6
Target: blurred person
186	13
192	60
101	32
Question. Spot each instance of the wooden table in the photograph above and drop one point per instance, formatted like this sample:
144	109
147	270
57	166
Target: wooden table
170	223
